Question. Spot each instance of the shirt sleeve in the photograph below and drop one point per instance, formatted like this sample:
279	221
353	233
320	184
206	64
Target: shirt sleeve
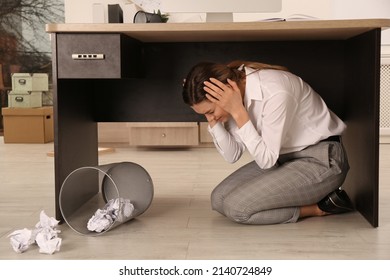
277	116
230	147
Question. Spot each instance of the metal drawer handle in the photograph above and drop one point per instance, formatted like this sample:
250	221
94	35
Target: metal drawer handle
22	82
163	135
19	99
88	56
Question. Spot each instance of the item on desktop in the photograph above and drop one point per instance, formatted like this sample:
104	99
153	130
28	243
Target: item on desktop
145	17
115	14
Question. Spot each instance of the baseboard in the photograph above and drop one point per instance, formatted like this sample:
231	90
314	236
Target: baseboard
384	136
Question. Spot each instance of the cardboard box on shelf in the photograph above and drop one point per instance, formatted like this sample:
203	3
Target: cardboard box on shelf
28	125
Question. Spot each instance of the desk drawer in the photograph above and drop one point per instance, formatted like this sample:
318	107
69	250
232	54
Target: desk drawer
163	134
97	56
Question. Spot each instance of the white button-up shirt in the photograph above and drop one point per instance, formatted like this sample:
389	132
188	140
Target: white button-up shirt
286	115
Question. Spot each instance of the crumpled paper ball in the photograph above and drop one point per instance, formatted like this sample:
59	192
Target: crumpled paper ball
45	235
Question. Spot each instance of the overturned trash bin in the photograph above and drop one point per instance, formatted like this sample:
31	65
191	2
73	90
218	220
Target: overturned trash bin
88	189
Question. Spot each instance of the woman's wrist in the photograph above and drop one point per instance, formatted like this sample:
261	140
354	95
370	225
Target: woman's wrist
212	123
241	117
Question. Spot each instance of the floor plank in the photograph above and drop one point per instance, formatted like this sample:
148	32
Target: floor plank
180	223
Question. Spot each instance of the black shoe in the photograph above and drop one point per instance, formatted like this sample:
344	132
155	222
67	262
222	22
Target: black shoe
336	202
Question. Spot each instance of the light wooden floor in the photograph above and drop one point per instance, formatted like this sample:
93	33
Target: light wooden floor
180	224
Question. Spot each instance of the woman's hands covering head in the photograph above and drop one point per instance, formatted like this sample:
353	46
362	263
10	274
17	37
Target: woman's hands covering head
228	97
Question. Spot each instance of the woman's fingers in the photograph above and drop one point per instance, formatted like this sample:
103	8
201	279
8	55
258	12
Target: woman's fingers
211	98
216	88
212	92
220	93
218	83
233	84
212	89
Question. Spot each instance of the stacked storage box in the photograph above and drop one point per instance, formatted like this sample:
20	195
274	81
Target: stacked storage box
27	90
26	121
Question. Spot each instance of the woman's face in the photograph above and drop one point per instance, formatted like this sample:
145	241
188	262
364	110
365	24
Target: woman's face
211	111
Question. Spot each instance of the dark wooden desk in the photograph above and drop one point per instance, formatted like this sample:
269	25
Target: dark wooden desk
141	74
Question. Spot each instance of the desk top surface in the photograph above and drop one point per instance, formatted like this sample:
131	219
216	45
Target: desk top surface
233	31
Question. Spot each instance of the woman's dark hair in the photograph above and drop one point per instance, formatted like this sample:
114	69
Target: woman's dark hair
193	92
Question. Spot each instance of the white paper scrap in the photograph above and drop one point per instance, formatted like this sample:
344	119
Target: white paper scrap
45	221
48	241
100	221
21	239
118	209
44	234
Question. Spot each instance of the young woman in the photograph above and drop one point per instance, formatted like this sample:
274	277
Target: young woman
299	160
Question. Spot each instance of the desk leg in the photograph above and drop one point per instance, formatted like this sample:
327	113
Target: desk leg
362	117
75	131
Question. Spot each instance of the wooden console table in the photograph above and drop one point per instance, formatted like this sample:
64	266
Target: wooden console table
134	72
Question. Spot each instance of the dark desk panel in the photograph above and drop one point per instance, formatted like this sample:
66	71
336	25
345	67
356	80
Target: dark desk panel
344	71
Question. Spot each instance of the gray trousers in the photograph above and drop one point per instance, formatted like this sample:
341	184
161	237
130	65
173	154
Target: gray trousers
252	195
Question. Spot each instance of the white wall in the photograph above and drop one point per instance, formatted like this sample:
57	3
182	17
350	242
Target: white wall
77	11
80	11
320	9
357	9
